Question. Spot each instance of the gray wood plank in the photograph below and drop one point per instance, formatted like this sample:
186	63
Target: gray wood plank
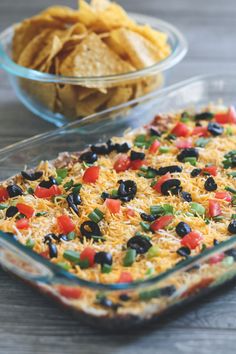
31	323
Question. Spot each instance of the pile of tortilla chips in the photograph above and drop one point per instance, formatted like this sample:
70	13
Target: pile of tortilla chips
98	39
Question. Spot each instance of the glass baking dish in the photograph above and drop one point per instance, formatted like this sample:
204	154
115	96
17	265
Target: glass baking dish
117	306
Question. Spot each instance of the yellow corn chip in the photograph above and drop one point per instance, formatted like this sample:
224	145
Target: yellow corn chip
88	60
62	13
29	29
92	103
121	95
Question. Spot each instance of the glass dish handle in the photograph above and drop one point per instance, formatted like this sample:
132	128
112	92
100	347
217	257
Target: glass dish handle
28	265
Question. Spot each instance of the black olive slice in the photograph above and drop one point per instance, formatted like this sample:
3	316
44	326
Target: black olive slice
139	243
171	186
14	190
88	157
189	152
89	229
31	176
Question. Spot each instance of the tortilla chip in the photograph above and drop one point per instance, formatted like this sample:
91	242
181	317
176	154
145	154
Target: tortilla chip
92	103
28	30
44	93
121	95
141	52
84	92
62	13
158	38
100	5
112	17
31	51
49	51
68	97
113	40
86	14
88	60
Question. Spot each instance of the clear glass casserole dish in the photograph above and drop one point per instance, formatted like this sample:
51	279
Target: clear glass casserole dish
37	90
117	306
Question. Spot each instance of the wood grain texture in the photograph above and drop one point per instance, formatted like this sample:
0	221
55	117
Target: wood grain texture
30	323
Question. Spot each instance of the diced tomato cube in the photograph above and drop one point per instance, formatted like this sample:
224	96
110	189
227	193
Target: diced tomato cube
211	170
161	222
130	212
65	224
160	181
184	143
45	254
122	163
26	210
41	192
88	254
54	190
137	164
226	118
113	205
70	292
180	129
192	240
154	147
22	224
91	174
217	258
200	131
3	194
223	195
125	277
214	208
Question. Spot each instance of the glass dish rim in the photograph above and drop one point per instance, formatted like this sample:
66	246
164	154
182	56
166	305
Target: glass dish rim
70	279
75	280
177	54
157	94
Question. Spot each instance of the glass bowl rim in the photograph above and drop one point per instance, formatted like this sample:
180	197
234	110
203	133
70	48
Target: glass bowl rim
178	52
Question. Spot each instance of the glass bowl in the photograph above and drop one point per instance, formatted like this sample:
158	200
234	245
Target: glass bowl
37	90
118	306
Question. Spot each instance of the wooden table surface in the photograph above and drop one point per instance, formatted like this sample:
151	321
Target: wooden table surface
29	323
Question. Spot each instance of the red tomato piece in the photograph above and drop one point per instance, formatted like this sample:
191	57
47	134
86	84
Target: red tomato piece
125	277
154	147
45	254
54	190
122	163
113	205
200	131
180	129
69	292
216	259
88	254
214	208
41	192
65	224
223	195
211	170
26	210
192	240
161	180
136	164
226	118
22	223
91	174
3	194
184	143
162	222
129	212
